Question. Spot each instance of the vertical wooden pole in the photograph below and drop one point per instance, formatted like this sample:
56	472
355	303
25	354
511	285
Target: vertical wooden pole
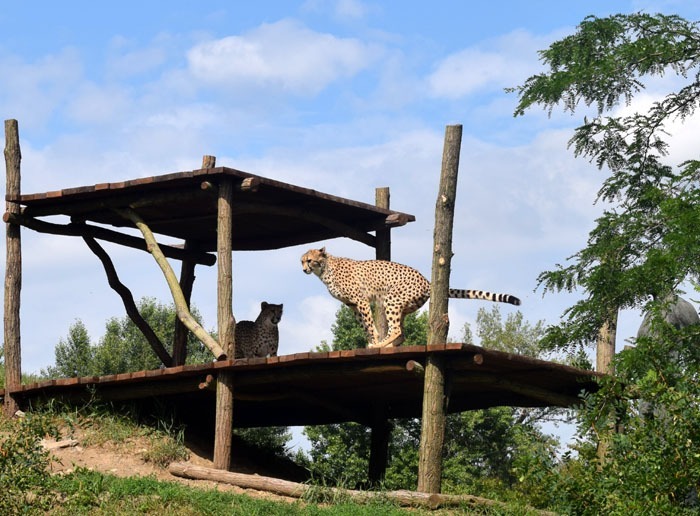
226	326
434	395
379	447
605	345
381	428
382	252
605	351
13	270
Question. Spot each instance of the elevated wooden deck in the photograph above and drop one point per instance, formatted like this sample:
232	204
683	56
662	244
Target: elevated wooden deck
333	387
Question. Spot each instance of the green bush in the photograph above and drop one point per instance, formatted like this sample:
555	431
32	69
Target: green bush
24	464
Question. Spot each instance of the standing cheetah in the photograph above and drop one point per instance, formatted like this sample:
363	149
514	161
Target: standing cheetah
259	338
401	290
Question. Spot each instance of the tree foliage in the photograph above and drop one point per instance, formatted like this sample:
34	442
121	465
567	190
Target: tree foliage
631	460
123	348
646	241
484	450
74	355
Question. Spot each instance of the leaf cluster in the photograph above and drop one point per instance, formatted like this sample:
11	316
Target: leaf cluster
645	242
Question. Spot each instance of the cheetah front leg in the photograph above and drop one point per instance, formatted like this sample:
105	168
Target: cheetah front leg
363	312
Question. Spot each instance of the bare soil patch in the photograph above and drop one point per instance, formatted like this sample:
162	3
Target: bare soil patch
127	460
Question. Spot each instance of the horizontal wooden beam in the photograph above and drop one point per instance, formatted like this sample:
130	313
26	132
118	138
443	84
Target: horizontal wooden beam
299	213
89	231
134	201
531	391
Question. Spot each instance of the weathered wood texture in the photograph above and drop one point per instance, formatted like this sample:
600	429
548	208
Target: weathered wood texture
434	399
183	312
442	237
129	304
13	268
86	230
186	284
605	345
297	490
273	214
605	351
226	326
383	243
354	380
432	427
382	252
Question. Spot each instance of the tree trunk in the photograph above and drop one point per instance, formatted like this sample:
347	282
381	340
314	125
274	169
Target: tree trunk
296	490
13	270
434	399
226	326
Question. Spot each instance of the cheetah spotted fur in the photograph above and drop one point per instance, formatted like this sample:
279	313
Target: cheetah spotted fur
259	338
400	288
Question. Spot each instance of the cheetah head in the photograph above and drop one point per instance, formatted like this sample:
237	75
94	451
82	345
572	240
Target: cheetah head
272	312
314	261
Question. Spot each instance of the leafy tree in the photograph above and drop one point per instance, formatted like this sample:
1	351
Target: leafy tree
124	349
644	245
74	355
646	242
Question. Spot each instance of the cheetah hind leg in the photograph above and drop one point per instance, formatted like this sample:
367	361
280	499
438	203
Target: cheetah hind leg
395	336
363	313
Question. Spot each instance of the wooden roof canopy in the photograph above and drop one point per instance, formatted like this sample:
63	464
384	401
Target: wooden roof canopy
268	214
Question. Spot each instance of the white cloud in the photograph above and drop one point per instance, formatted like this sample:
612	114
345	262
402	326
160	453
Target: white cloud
32	91
282	55
127	62
497	63
94	104
339	9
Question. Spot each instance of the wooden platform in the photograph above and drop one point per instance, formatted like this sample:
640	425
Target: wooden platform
334	387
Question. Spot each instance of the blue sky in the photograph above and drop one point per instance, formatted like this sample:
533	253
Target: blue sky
340	96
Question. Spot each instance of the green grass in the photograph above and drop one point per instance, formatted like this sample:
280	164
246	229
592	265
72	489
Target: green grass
26	487
88	492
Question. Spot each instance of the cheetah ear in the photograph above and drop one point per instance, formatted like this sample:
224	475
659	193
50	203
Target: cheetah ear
263	305
323	250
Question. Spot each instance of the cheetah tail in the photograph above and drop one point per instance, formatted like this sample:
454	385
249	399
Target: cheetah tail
482	294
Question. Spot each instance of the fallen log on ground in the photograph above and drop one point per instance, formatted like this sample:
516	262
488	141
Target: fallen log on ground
296	490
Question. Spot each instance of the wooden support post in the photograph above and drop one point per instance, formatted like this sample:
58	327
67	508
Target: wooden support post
379	448
226	325
605	351
434	395
382	252
381	428
13	270
383	245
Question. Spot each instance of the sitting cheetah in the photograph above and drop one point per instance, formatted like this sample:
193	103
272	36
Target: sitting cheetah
400	288
259	338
